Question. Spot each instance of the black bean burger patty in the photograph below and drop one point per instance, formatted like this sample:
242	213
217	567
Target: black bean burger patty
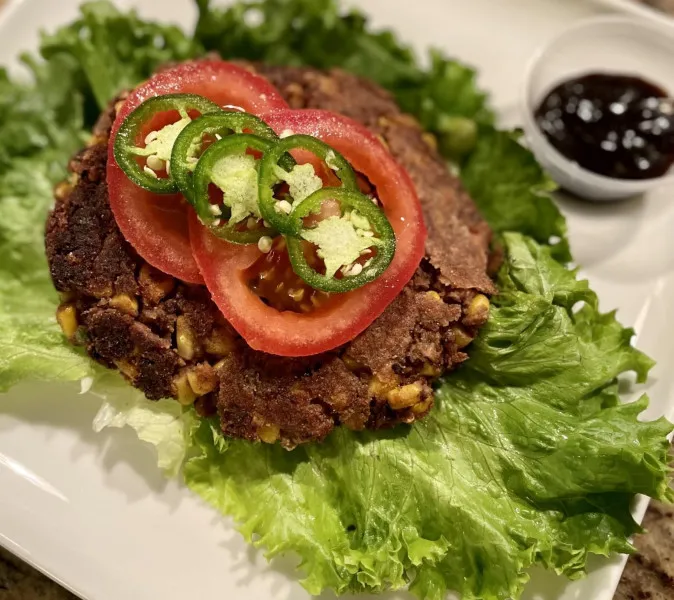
169	339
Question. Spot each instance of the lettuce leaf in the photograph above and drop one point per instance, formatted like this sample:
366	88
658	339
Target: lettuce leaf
500	173
528	458
490	483
41	124
110	50
318	34
165	424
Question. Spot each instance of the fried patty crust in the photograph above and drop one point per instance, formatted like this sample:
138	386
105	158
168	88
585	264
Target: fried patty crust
169	339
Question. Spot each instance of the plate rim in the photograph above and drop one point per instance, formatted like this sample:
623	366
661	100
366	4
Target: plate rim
634	7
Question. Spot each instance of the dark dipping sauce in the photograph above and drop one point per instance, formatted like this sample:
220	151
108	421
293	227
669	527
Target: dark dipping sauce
610	124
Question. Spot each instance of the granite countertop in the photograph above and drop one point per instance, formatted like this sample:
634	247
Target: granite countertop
665	5
649	574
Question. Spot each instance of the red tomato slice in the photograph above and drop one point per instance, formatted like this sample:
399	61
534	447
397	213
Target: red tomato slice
156	225
288	333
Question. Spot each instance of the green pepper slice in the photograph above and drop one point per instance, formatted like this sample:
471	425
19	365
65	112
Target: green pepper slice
227	164
303	184
188	145
345	243
158	144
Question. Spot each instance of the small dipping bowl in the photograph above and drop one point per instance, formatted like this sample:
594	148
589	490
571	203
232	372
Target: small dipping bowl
608	45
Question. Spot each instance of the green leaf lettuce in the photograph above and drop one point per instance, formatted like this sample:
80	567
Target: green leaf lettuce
164	424
40	125
110	50
316	33
528	457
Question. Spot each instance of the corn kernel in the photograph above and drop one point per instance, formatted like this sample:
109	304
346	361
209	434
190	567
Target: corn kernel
182	390
218	366
404	397
156	285
421	407
430	370
219	343
478	310
461	338
103	292
340	401
62	190
185	341
202	379
430	140
328	86
268	433
127	368
434	295
94	140
293	88
379	387
407	120
66	315
125	304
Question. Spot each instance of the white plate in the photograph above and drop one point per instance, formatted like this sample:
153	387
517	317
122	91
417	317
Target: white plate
94	512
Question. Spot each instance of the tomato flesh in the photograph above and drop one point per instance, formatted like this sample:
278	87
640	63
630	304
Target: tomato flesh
273	324
157	225
225	268
273	280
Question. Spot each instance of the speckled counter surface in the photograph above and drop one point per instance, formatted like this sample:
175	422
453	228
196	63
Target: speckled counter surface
665	5
649	574
18	581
